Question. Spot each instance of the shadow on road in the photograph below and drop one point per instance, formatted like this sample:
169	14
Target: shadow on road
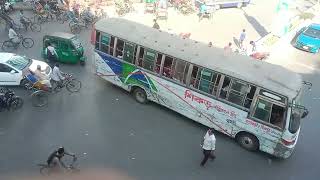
256	25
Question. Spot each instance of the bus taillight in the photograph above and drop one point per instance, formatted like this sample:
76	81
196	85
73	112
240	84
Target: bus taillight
288	143
93	35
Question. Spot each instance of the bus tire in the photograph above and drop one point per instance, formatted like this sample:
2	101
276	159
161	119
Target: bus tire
247	141
140	95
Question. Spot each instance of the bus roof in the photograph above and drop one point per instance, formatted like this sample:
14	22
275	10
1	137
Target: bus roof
269	76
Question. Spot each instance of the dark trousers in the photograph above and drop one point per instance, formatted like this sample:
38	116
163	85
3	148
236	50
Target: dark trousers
207	154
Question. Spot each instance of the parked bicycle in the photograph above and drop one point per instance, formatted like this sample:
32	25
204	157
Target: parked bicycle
40	92
9	45
45	169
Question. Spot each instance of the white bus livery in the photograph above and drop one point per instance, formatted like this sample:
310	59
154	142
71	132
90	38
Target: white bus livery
255	102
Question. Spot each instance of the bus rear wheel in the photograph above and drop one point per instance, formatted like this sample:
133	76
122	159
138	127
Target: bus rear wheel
140	95
248	141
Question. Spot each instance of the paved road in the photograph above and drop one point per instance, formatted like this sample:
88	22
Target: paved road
109	130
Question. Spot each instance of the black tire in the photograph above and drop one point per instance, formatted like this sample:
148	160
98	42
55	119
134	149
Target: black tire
82	63
140	95
35	27
248	141
75	29
8	46
39	98
73	85
27	42
16	103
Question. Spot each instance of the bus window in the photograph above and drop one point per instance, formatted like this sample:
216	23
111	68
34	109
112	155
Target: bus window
104	43
209	81
119	48
158	63
277	116
149	59
141	54
195	76
237	93
97	40
180	70
263	110
129	50
167	67
250	95
111	46
270	113
225	87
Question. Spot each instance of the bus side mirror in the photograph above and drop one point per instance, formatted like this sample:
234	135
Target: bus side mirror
305	113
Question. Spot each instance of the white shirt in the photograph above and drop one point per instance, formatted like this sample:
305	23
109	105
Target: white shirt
12	34
242	36
209	142
52	50
56	74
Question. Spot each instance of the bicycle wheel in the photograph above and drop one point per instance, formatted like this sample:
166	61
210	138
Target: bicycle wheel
16	103
8	46
75	29
73	85
35	27
27	42
44	170
39	98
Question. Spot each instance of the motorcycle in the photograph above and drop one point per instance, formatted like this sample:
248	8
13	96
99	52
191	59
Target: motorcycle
9	101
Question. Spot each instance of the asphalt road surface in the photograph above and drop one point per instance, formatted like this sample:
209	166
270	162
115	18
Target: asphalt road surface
108	130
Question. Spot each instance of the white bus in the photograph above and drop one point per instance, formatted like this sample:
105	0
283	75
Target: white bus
255	102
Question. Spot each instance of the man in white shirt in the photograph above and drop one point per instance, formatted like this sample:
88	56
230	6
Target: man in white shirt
43	79
208	146
57	76
52	55
13	36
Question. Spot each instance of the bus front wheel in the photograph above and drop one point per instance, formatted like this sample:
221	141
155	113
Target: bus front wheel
248	141
140	95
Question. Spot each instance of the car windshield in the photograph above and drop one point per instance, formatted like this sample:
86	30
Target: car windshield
75	41
315	33
19	62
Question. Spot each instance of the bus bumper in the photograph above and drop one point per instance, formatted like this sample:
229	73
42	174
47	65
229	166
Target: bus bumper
283	151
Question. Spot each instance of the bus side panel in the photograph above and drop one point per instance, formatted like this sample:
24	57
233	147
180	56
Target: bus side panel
120	73
196	106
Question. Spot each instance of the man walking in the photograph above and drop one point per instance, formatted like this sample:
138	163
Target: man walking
242	38
155	24
208	146
52	55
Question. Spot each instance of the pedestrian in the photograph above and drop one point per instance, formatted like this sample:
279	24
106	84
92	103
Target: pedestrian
208	146
210	44
254	47
242	38
52	55
228	48
155	24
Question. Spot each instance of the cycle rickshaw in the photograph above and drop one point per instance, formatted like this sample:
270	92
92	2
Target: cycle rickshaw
41	91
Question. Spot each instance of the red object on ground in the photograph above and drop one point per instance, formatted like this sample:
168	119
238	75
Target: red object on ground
260	55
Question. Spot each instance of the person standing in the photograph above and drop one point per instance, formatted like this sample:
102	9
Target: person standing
208	147
242	37
52	55
228	48
155	24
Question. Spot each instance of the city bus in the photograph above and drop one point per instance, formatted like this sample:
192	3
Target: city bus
255	102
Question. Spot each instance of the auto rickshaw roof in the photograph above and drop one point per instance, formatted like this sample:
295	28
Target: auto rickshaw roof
61	35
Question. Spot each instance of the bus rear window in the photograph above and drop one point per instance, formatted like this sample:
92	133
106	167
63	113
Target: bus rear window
294	124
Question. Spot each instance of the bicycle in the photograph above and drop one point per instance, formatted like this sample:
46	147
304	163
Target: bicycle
9	45
45	168
76	26
39	96
35	27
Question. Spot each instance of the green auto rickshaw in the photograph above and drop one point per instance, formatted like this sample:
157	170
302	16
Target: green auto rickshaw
67	46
